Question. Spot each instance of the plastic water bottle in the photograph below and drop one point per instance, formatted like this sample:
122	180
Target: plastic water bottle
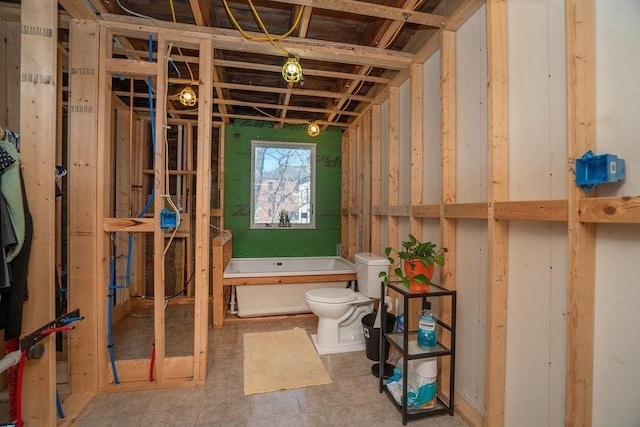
427	329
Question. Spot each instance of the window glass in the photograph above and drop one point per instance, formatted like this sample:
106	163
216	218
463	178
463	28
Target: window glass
283	177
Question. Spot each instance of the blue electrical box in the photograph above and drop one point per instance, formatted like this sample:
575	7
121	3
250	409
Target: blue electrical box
592	169
168	219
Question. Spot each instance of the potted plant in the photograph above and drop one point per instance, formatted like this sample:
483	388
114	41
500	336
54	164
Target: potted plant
415	263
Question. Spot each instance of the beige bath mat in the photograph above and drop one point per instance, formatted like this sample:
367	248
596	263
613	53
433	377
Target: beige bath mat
281	360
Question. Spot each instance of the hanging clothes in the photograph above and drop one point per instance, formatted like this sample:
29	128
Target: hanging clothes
17	255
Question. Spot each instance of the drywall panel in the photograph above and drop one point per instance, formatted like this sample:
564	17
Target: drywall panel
471	111
431	165
617	295
404	151
471	284
618	89
537	100
536	324
617	315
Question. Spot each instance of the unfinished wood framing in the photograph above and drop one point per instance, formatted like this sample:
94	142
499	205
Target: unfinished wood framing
448	190
83	232
581	136
38	73
370	219
498	177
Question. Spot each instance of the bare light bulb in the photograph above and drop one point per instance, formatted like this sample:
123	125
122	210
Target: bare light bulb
313	129
292	70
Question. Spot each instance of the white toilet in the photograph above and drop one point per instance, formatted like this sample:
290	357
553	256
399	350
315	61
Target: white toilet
340	310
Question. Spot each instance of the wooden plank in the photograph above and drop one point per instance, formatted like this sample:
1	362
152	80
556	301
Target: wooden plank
426	211
13	75
38	72
352	170
400	211
532	210
103	188
620	210
203	192
365	220
376	177
229	39
417	142
221	253
393	165
466	210
84	42
73	406
239	281
448	191
130	67
498	174
374	10
129	225
581	137
160	187
344	196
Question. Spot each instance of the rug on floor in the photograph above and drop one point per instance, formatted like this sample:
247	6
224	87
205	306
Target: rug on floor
281	360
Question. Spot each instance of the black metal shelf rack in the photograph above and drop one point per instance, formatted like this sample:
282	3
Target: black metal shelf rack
401	341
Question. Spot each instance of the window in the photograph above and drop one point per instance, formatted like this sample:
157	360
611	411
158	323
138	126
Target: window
283	179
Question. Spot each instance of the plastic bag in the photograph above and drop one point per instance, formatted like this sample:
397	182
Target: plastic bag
421	386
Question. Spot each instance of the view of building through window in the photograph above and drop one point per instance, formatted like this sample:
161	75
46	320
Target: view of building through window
282	177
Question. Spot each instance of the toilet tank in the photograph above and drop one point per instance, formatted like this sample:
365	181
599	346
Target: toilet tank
368	268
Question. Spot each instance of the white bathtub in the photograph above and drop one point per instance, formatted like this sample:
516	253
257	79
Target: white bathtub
276	286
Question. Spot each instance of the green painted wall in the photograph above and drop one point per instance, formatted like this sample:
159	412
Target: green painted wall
276	242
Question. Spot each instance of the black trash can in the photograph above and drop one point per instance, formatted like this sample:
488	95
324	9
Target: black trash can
372	335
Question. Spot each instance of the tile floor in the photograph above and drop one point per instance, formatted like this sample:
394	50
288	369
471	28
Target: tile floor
352	399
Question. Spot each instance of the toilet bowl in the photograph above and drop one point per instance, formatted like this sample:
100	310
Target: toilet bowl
340	311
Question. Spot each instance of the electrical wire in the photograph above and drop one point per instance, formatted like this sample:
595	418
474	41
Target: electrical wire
268	37
173	16
131	12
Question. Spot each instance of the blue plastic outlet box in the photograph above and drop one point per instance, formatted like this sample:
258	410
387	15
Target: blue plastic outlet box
168	219
592	169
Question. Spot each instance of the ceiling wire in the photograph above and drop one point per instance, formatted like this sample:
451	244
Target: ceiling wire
268	37
173	15
131	12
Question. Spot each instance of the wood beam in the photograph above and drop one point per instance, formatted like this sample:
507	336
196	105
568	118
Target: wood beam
228	39
372	9
83	231
532	210
498	189
620	210
38	83
581	137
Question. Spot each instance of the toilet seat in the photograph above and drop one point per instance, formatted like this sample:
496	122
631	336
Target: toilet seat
331	295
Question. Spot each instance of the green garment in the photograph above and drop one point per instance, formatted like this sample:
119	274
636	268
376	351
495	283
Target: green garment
11	190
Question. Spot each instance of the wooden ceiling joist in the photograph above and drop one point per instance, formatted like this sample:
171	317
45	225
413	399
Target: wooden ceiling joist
374	10
229	39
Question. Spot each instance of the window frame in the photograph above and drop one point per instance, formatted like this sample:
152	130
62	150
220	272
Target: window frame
255	144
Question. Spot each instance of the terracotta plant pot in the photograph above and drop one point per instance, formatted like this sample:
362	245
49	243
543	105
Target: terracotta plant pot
414	268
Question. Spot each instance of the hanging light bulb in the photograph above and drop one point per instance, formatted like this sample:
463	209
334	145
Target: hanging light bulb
188	97
292	70
313	129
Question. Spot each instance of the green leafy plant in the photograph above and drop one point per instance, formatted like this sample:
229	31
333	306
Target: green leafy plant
413	250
